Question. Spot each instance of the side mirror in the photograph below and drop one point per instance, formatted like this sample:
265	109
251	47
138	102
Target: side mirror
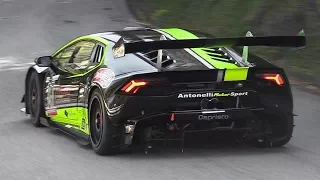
43	61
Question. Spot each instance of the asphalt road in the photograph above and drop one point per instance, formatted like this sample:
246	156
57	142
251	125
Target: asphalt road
29	28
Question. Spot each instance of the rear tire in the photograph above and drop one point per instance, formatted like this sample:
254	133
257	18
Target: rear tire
281	133
101	128
35	99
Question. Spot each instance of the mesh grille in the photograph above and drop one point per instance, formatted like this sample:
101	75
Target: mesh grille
217	54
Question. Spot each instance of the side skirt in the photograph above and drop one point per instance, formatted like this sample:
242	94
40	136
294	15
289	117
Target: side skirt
80	137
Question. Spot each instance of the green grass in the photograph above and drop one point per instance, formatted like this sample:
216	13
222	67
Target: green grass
235	17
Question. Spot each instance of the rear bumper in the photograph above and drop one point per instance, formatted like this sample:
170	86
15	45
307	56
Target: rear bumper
203	115
238	119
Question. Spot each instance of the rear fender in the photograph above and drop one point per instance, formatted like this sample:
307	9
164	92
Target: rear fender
92	87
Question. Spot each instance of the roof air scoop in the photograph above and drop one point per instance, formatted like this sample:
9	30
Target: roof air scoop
119	49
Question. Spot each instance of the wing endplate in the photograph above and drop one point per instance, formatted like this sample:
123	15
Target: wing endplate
245	51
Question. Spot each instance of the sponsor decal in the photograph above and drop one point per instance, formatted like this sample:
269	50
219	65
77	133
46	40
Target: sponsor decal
68	126
213	117
66	113
39	69
51	112
104	77
83	124
50	86
211	94
65	89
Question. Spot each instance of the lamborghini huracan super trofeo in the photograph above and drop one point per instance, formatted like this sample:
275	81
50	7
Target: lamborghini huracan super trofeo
116	89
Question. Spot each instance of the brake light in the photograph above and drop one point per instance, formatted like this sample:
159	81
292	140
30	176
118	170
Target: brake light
277	78
133	86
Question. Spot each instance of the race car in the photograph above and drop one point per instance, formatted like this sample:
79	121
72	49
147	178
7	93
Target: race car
135	86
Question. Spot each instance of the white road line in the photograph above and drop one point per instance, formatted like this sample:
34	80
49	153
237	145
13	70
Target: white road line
9	17
11	63
63	2
15	68
2	62
7	60
22	64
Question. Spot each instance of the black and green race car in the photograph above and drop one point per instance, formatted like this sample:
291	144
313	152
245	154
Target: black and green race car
138	85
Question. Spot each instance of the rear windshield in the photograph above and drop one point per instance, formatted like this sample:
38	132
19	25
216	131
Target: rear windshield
128	63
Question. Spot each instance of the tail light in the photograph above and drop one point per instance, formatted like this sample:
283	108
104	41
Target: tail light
277	78
133	86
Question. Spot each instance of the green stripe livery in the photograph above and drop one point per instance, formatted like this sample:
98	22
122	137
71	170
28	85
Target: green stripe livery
183	34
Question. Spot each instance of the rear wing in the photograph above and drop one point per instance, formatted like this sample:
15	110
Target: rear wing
121	47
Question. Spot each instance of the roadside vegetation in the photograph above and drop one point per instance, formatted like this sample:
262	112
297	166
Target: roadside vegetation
236	17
